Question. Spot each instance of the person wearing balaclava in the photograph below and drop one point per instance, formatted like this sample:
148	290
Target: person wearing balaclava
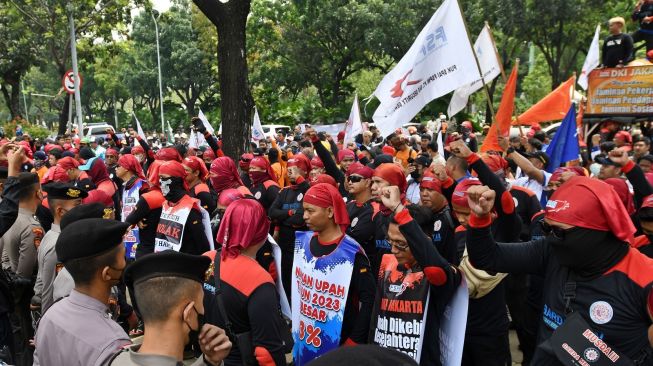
248	293
184	225
416	168
327	255
223	175
134	186
196	176
287	213
243	164
597	295
265	188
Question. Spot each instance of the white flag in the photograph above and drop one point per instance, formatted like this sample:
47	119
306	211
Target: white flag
487	57
440	60
354	124
257	130
139	130
592	60
205	122
440	143
196	139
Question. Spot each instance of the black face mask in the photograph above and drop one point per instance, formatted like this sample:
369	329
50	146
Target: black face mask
193	334
589	253
415	175
172	188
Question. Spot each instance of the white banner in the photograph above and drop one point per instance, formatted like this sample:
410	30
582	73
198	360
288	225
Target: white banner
592	60
330	129
440	60
139	130
452	326
354	124
196	140
486	53
205	122
257	129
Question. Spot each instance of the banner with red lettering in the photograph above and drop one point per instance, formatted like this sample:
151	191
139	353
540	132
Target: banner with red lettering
320	286
170	230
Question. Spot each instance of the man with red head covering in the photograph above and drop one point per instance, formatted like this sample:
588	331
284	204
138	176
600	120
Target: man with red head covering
208	156
361	209
264	182
184	225
415	273
594	281
317	168
196	176
324	178
224	175
130	172
248	293
444	224
331	265
80	178
243	164
287	213
111	160
623	140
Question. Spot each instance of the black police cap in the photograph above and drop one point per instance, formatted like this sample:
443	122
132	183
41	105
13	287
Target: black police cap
64	191
87	211
89	238
167	264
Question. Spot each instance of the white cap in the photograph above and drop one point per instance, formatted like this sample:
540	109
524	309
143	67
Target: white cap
184	136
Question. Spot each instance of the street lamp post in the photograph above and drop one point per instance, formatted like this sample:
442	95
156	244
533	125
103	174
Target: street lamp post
73	56
158	60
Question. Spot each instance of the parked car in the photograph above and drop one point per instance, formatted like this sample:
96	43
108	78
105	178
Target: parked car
95	130
272	130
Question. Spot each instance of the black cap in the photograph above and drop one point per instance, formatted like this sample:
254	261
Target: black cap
423	160
64	191
381	159
89	238
605	161
540	155
86	153
167	264
87	211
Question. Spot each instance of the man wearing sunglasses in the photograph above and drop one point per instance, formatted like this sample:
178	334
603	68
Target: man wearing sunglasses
361	208
597	295
416	274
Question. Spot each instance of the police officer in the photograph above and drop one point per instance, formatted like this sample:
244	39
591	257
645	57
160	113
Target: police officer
176	313
19	260
62	197
78	330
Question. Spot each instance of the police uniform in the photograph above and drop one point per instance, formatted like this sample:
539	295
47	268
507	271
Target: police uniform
47	257
164	264
78	330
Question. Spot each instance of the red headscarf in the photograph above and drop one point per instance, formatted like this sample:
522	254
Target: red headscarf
49	147
195	163
153	174
624	135
360	169
325	195
649	178
169	154
557	174
229	196
392	174
174	169
495	162
591	204
100	196
112	152
300	161
236	234
68	163
430	181
98	172
208	154
129	162
263	163
67	146
388	150
324	178
622	190
137	150
244	161
55	174
226	174
459	196
344	154
316	162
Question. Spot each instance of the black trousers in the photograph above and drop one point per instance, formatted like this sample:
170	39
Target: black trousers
487	351
639	36
7	352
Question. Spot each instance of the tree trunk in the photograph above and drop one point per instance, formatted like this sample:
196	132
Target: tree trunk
236	100
12	97
63	116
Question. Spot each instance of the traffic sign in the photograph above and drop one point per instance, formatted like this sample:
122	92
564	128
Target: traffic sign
68	82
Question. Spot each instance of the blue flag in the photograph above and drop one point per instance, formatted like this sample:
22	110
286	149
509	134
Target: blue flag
564	146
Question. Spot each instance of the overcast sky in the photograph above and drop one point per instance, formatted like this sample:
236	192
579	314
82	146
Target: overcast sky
161	5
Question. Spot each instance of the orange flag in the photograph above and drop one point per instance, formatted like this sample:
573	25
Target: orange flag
553	107
501	125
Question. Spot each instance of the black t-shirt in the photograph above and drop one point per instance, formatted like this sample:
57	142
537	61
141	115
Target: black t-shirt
526	207
362	227
290	198
617	49
265	194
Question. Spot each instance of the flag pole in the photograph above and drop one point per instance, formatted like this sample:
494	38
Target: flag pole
496	52
478	64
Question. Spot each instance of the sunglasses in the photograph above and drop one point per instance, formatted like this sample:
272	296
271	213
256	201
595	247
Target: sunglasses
354	178
557	232
402	247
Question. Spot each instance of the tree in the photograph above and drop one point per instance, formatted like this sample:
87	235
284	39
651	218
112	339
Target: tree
230	20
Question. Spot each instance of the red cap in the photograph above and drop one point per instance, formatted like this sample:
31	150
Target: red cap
68	163
392	174
316	162
300	161
344	154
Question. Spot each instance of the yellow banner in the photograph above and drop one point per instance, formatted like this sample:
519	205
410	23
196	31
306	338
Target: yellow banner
624	91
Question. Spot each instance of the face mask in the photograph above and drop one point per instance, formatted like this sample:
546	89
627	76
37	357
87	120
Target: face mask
258	177
578	249
165	185
415	175
193	334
